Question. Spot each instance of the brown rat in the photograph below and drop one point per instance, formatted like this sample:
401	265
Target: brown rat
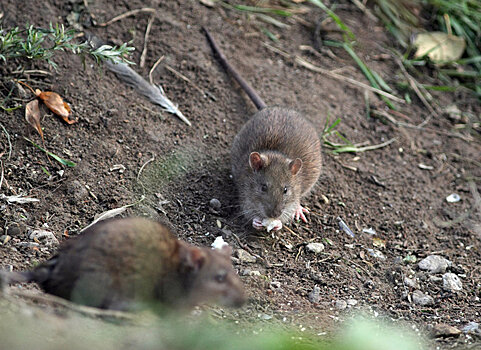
123	263
276	159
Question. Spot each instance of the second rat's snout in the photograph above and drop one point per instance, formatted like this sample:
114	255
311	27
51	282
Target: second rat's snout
274	210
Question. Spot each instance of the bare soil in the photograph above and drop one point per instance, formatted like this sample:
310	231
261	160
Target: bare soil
399	190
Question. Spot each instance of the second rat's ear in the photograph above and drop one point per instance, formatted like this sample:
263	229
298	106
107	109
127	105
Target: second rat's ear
196	258
192	258
295	166
257	161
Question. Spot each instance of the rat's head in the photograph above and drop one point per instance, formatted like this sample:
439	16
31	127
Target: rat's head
211	276
272	189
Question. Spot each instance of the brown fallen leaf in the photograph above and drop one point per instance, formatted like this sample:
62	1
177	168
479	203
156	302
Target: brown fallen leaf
32	115
56	104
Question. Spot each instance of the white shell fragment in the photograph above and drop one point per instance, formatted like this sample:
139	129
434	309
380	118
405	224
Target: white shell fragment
269	224
219	243
453	198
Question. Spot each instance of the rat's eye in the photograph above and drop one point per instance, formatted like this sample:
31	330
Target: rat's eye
285	189
220	277
264	188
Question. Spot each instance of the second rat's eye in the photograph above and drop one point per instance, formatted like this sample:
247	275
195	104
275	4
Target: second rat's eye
221	276
285	189
264	188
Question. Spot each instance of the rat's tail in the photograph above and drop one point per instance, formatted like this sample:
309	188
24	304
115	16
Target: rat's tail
256	99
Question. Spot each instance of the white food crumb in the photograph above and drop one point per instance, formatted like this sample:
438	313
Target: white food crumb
219	243
271	223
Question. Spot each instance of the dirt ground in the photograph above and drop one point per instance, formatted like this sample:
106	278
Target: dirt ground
399	191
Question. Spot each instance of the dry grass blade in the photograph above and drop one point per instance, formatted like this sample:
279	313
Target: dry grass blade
111	213
301	61
125	15
146	39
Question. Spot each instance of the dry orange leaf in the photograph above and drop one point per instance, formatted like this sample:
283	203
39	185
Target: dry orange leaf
56	104
32	115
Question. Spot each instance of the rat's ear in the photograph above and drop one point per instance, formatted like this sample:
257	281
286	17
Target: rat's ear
295	166
192	258
257	161
196	258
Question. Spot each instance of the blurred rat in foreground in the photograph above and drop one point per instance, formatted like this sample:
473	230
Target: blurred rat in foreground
124	264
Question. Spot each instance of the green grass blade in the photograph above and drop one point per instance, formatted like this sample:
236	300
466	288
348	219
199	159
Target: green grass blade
54	156
335	18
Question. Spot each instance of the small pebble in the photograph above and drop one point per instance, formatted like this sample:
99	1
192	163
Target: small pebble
471	327
315	248
451	282
245	256
443	330
453	198
434	264
43	236
315	295
419	298
4	239
351	302
27	244
340	304
249	272
411	283
215	204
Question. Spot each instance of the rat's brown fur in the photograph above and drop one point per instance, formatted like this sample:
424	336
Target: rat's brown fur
124	263
276	156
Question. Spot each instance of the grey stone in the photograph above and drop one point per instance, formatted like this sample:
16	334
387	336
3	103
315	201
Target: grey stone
215	204
419	298
43	236
451	282
245	256
351	302
340	304
434	264
315	295
472	327
411	283
443	330
315	248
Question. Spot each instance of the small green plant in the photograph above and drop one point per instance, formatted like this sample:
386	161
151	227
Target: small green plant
345	146
41	44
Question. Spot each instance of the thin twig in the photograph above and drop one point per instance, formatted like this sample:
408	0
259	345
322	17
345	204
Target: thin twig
143	166
414	86
301	61
153	68
32	71
8	139
126	14
420	126
364	9
146	39
81	309
373	147
1	177
292	232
